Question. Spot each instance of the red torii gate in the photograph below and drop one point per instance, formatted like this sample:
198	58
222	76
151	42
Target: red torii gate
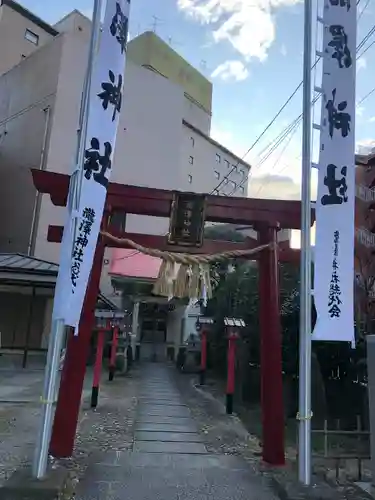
266	216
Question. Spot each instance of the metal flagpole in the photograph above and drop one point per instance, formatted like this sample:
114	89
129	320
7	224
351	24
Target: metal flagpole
304	414
58	325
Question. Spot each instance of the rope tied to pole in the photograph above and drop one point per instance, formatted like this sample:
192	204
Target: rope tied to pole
192	279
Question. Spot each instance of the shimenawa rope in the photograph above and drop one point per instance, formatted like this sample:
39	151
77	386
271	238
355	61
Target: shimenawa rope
193	276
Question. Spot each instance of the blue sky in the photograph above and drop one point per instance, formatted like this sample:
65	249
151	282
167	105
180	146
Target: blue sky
252	51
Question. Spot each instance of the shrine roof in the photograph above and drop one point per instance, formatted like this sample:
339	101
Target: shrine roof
132	264
24	263
18	267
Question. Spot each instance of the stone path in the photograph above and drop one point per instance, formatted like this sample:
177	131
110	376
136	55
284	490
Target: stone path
169	459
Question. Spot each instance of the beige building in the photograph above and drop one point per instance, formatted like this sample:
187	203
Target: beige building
21	33
163	138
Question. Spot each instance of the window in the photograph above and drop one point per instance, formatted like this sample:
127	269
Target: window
226	180
218	158
227	163
217	174
192	141
242	172
190	178
233	185
242	190
32	37
191	160
234	167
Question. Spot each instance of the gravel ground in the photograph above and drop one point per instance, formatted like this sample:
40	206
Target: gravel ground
226	434
109	427
19	418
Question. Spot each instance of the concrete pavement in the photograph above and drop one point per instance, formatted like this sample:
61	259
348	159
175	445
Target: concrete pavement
169	459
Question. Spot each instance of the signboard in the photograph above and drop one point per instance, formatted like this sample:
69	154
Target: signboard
105	106
105	313
334	248
187	220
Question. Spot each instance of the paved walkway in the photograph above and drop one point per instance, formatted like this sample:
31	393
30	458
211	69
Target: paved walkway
169	459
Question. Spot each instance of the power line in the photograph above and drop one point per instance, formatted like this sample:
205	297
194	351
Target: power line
284	134
369	34
262	134
366	49
280	111
361	44
363	10
278	159
366	96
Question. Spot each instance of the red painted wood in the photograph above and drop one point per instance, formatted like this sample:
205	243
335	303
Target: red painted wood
271	353
157	202
70	393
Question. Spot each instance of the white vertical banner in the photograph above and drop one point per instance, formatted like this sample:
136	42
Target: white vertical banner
103	116
334	247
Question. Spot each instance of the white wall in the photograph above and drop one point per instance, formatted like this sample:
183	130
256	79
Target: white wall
175	324
149	138
205	163
63	138
24	96
197	116
193	311
73	22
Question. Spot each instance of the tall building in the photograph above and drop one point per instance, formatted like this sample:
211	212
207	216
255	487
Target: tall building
365	241
163	137
21	33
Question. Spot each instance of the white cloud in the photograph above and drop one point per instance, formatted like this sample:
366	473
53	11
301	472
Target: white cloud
361	63
248	25
231	70
273	186
365	146
359	110
221	134
283	50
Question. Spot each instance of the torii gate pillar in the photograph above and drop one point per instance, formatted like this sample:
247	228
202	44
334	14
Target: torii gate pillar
74	369
271	350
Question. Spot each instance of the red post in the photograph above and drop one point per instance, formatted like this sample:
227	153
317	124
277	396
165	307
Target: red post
112	362
271	351
97	369
203	357
231	371
73	374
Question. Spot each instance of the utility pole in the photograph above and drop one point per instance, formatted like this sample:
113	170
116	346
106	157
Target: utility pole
155	23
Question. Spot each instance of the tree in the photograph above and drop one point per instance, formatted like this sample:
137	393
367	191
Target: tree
236	294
